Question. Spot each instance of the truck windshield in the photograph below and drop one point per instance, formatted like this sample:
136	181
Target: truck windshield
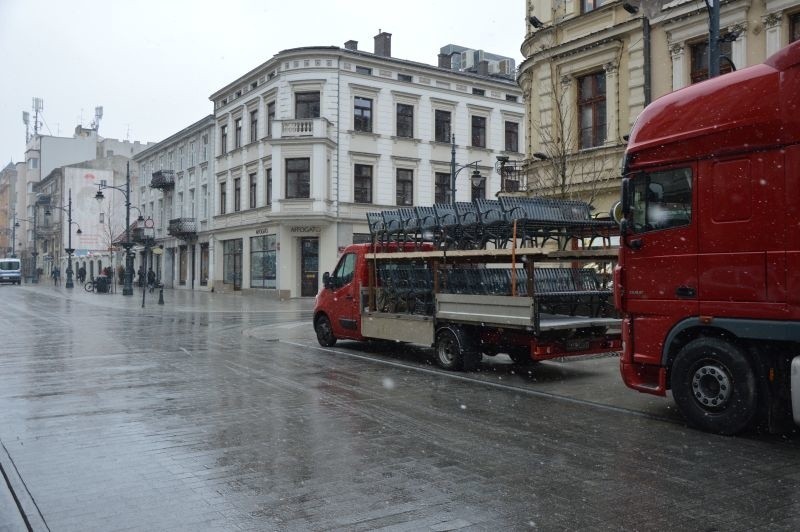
661	200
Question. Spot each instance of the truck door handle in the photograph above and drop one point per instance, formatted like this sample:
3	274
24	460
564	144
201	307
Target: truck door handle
685	291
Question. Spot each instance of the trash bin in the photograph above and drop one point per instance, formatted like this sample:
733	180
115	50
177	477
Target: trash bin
101	284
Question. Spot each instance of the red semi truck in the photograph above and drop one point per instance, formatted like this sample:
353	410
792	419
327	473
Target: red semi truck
708	277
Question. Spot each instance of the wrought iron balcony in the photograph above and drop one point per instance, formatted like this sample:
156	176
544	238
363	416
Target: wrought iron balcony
163	179
183	228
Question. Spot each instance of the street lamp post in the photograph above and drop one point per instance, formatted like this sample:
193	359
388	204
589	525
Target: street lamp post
35	252
455	169
14	236
127	288
69	249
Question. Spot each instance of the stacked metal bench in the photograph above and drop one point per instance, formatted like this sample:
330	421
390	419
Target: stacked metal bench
531	221
559	290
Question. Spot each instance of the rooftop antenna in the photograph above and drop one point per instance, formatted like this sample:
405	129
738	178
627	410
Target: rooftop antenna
26	119
98	114
38	105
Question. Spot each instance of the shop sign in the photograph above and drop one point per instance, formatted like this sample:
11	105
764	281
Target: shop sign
303	229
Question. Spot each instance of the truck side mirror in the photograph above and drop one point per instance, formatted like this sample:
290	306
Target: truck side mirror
326	280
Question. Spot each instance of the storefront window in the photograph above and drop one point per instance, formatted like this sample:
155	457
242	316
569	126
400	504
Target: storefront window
263	257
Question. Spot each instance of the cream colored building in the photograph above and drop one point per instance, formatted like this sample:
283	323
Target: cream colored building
591	67
313	139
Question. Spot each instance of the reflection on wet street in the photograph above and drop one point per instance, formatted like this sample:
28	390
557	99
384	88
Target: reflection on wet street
170	418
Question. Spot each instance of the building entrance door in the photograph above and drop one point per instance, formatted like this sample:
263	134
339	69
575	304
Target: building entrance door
309	266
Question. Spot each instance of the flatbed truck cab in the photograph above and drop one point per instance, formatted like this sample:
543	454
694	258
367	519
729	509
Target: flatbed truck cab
708	277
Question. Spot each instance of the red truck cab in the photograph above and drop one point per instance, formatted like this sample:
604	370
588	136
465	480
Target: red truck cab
708	277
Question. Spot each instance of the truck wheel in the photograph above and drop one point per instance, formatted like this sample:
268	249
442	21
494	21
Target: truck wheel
325	337
451	352
521	356
714	386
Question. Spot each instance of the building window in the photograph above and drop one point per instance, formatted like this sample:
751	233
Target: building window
442	126
205	147
478	92
298	178
269	186
442	194
362	184
511	98
237	133
405	186
479	131
203	264
592	109
270	117
223	140
237	195
306	105
699	53
204	193
794	30
223	198
191	153
512	136
252	191
362	114
180	158
263	261
405	77
253	126
591	5
405	120
363	70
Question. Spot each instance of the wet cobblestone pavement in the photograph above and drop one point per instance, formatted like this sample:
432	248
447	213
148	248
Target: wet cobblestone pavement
178	417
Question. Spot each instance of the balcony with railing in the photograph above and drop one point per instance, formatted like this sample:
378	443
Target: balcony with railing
183	228
163	179
303	128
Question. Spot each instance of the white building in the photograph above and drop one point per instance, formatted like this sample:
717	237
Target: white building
174	194
313	139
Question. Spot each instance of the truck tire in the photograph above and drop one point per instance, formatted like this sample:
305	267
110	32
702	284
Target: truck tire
521	356
714	386
322	326
452	351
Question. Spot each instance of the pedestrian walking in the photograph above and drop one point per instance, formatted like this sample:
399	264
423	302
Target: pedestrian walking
82	275
151	279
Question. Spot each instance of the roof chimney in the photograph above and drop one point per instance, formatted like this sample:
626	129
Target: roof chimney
483	68
351	45
383	44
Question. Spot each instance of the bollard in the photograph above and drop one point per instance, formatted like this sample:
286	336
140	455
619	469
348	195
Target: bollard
160	296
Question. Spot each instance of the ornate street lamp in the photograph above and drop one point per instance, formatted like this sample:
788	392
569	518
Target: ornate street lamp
127	288
476	178
69	249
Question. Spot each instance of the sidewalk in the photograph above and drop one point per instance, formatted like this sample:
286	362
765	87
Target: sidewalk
175	300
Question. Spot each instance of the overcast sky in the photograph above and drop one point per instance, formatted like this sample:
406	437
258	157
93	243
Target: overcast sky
152	64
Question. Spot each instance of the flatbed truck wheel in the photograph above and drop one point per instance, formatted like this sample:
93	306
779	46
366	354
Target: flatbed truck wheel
324	330
454	350
714	386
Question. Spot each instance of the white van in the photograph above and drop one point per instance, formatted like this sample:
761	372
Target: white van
10	271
